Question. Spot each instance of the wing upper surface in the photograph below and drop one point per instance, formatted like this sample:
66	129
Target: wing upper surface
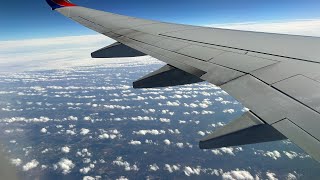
276	76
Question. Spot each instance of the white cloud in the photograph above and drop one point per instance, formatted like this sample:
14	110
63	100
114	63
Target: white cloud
60	53
188	171
84	131
132	142
104	136
164	120
152	132
88	178
271	176
65	149
127	166
172	168
71	132
179	145
122	178
237	175
16	162
291	176
273	154
30	165
44	130
72	118
153	167
230	111
308	27
201	133
167	141
65	165
85	170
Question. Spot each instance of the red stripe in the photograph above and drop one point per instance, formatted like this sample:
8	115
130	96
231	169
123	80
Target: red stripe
63	3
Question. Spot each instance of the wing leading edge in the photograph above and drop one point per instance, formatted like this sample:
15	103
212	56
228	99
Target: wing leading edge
275	76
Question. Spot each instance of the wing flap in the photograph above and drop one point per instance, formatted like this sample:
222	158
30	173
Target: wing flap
247	129
166	76
116	50
300	137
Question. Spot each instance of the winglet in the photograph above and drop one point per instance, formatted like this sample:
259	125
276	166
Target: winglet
55	4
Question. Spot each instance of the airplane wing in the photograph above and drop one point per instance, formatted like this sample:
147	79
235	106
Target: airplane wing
276	76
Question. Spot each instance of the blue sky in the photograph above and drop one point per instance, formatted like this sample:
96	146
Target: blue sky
21	20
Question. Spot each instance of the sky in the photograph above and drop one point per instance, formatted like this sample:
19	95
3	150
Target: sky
21	20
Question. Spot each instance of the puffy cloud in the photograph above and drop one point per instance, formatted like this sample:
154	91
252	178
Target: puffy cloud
84	131
16	162
172	168
65	149
230	111
271	176
291	176
104	136
164	120
71	132
153	167
167	141
72	118
273	154
176	103
237	175
176	131
65	165
132	142
201	133
127	166
140	118
44	130
85	170
30	165
89	178
226	150
152	132
188	171
179	145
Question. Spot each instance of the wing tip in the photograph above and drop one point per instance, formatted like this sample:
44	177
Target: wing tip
55	4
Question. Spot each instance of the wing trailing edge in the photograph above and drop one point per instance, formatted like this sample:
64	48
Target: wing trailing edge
248	129
166	76
116	50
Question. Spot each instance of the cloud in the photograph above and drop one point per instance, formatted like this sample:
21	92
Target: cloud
291	176
227	150
132	142
271	176
152	132
153	167
273	154
237	175
65	149
308	27
84	131
172	168
201	133
16	162
30	165
122	178
59	53
127	166
65	165
188	171
179	145
167	141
